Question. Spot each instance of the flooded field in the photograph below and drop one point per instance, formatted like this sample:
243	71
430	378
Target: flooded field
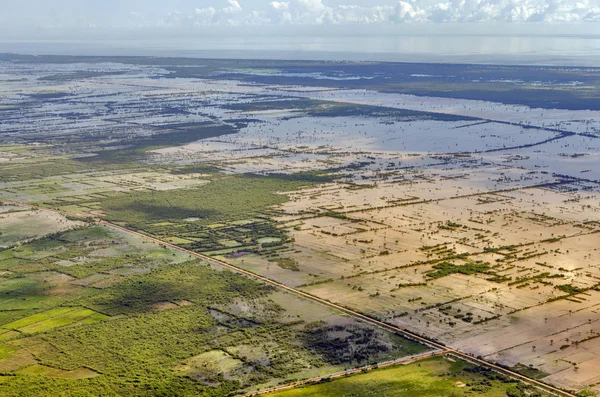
470	220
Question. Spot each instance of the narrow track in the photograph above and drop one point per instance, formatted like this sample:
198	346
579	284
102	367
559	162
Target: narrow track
408	334
405	333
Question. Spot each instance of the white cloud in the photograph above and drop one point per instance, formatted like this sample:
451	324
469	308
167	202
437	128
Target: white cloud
447	11
318	12
230	13
406	12
232	8
513	11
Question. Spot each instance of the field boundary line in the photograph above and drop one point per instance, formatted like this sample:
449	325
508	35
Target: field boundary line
403	332
408	334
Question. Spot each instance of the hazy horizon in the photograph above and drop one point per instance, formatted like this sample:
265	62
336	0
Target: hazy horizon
539	32
551	50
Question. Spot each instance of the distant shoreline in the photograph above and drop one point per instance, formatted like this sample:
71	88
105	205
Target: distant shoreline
564	51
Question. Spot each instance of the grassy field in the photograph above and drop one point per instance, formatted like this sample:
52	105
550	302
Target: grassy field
231	213
408	216
226	198
94	311
433	377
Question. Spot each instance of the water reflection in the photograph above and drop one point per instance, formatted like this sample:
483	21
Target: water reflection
547	50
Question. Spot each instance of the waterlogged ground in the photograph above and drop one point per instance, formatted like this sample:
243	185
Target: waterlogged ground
461	204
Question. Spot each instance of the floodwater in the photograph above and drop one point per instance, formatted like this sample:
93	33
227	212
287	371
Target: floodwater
558	50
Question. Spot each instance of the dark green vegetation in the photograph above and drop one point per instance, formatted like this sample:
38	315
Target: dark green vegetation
40	169
95	312
135	150
530	372
76	75
326	340
172	135
445	268
49	272
225	199
231	213
569	289
316	108
427	378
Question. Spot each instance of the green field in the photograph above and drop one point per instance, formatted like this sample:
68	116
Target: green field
95	311
70	317
434	377
247	162
36	318
230	213
226	198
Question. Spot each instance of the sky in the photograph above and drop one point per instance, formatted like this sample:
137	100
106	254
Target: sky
534	31
29	15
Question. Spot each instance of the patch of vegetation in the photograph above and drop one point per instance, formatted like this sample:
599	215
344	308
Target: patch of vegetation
176	282
229	198
288	263
499	279
427	378
318	108
342	344
138	329
338	215
530	372
171	136
40	169
569	289
446	268
83	74
200	168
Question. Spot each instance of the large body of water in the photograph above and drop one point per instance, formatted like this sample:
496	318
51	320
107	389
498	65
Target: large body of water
563	50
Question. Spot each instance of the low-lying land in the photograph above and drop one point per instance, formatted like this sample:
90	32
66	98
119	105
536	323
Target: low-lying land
95	309
433	377
459	214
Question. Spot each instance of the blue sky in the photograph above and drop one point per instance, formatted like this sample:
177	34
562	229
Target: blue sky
25	15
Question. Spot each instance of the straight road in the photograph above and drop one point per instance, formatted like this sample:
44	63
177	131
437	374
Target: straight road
408	334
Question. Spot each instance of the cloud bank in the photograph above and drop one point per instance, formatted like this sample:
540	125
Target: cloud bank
26	15
307	12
